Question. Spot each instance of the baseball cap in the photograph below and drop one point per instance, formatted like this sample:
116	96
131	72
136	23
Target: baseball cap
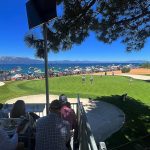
63	98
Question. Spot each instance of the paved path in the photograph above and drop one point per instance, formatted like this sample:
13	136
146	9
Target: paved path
140	77
104	118
41	98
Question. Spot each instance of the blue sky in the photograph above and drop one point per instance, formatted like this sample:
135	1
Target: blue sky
14	26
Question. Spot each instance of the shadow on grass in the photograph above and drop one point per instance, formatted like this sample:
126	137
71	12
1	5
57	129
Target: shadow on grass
147	80
135	134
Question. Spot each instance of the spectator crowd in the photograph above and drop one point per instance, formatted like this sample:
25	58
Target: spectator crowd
51	132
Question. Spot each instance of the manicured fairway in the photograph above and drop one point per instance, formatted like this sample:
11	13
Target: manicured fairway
72	85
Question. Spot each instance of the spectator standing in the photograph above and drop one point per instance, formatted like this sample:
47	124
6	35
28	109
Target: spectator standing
83	79
91	79
63	98
113	73
52	132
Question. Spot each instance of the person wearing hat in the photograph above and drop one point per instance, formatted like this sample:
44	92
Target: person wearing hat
52	132
63	98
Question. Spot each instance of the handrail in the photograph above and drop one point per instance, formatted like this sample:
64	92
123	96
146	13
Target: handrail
86	138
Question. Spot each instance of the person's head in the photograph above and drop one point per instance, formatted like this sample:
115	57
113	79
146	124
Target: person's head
68	104
55	106
1	106
18	109
63	98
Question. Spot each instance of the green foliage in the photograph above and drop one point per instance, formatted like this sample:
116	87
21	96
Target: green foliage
109	20
136	130
125	70
145	65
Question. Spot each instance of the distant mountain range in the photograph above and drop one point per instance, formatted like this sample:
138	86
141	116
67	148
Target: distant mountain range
25	60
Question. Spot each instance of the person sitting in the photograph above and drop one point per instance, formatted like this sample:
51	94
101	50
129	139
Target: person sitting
19	109
3	114
7	143
68	114
63	98
52	132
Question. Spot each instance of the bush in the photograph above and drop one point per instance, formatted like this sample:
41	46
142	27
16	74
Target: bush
145	65
125	70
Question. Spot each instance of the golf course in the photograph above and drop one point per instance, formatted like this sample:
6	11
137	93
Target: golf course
136	130
72	85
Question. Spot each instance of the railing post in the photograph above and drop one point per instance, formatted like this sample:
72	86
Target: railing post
102	146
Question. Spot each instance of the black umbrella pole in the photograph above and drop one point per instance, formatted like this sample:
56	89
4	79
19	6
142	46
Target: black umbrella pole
46	67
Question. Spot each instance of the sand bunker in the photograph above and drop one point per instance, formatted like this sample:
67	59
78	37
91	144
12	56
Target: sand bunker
2	83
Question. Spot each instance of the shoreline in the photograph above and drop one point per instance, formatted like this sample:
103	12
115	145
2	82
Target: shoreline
138	71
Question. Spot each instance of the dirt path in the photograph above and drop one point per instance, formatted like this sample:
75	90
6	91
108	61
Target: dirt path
140	77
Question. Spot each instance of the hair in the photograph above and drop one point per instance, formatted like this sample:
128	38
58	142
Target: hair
1	106
55	106
68	104
18	109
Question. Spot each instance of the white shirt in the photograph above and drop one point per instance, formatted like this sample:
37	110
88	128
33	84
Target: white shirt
7	143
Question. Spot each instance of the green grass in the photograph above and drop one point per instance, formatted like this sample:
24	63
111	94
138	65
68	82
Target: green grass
106	88
72	85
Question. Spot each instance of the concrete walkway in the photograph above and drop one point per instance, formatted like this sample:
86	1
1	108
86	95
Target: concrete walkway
104	118
41	98
140	77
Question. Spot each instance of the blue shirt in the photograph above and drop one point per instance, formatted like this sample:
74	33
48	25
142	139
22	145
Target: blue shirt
7	143
52	133
3	114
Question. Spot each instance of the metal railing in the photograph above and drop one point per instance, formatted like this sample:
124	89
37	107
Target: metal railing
86	138
85	135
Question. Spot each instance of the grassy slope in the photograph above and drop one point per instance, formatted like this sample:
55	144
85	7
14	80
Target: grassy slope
72	85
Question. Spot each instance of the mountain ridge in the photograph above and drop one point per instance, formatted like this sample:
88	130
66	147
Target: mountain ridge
26	60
